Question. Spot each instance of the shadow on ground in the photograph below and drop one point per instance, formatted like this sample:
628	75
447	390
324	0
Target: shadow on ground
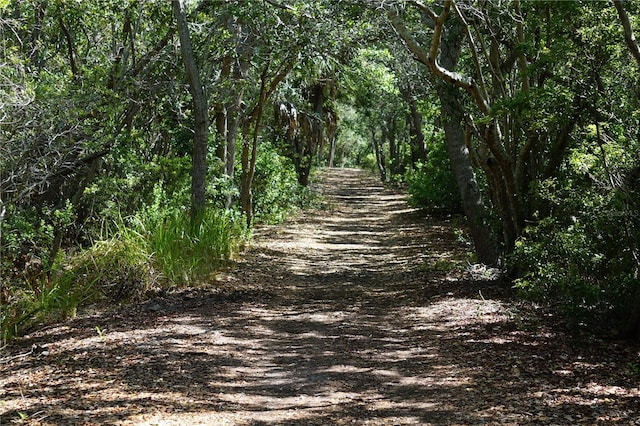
348	315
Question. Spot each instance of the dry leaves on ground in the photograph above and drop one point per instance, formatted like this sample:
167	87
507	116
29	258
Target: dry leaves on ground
364	313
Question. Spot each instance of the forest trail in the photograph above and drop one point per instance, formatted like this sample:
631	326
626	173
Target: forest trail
352	314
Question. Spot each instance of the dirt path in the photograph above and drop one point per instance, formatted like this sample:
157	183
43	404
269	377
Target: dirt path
349	315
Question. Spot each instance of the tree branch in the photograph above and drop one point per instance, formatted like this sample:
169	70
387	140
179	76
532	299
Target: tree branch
423	8
430	59
522	60
474	52
70	47
280	6
629	37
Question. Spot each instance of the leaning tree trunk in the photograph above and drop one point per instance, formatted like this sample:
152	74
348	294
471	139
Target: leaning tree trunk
448	45
472	203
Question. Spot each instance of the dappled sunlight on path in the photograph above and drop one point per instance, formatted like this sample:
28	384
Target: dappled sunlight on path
359	313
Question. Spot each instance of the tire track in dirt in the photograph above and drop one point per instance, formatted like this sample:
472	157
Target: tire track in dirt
347	315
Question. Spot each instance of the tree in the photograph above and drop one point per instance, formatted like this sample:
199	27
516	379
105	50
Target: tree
200	110
515	81
629	36
251	128
305	126
453	120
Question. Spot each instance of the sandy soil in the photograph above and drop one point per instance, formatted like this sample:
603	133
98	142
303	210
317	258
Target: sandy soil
363	312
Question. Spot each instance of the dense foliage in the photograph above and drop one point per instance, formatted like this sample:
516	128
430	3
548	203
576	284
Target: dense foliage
540	100
140	141
96	161
432	186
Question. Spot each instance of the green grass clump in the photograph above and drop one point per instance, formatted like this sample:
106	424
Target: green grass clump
186	251
150	250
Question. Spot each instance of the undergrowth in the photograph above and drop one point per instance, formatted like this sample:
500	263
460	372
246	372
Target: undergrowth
151	250
432	185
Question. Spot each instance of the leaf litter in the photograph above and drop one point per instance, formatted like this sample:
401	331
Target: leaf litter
362	312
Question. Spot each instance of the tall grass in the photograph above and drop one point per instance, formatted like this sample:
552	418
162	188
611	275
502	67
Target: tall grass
186	251
39	303
153	249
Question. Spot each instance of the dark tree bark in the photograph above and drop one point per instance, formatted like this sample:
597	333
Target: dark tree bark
472	203
416	136
200	111
394	147
453	121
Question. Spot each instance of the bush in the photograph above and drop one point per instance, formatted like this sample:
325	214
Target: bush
38	302
134	187
582	257
368	161
186	251
275	187
432	184
561	267
116	268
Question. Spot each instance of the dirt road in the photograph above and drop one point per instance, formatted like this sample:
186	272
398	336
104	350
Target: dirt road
359	313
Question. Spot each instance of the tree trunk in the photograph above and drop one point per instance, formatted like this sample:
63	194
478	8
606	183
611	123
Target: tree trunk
200	112
227	126
246	181
393	149
244	53
250	151
332	151
249	159
221	135
472	203
453	119
380	160
448	43
234	68
70	46
316	136
40	10
233	126
416	137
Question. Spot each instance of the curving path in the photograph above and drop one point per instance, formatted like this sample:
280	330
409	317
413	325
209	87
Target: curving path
360	313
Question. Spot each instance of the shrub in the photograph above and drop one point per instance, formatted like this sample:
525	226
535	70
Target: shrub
275	187
185	251
368	161
155	248
39	302
432	185
582	257
561	267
